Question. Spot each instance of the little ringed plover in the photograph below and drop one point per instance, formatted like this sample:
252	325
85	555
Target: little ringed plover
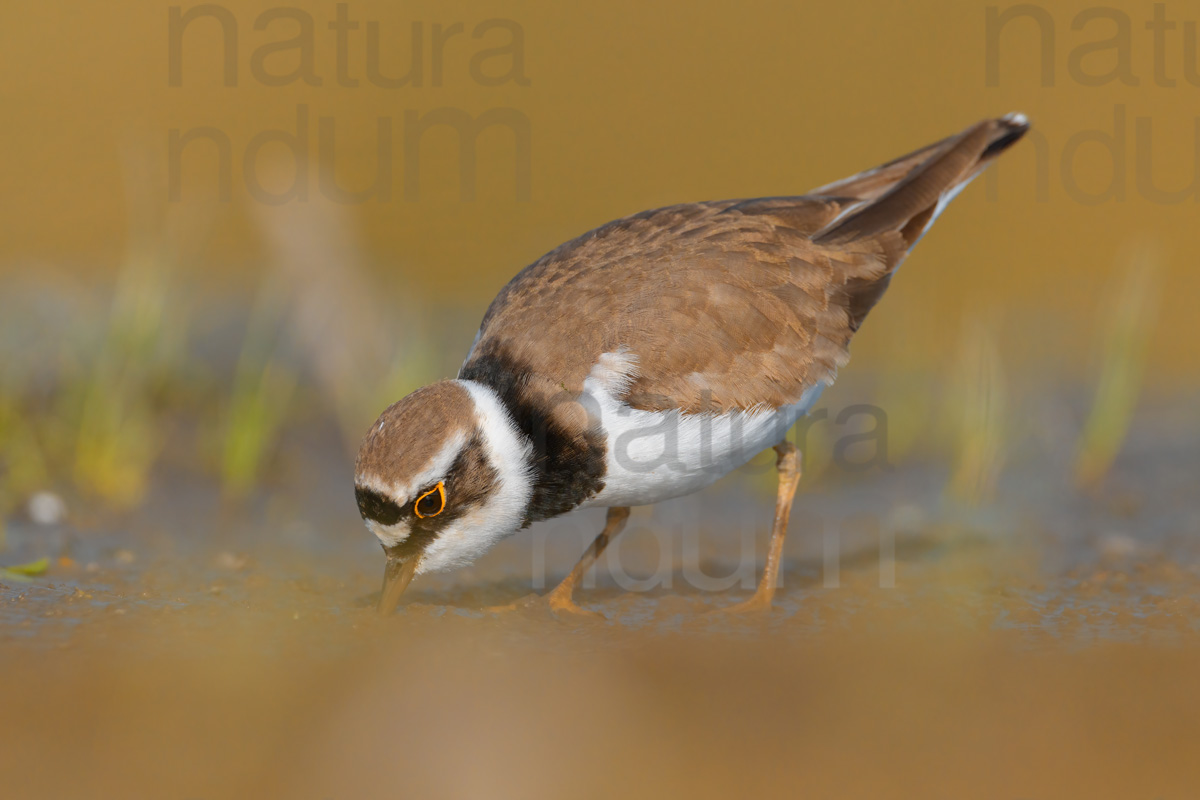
648	358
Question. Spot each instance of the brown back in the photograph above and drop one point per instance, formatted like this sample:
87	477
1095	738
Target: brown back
730	304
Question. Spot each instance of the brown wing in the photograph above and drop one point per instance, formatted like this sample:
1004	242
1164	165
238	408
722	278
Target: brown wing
725	305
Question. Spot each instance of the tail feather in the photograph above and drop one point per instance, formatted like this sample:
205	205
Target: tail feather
907	194
871	184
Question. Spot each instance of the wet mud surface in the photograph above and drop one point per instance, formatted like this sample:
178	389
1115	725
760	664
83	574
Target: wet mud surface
1046	646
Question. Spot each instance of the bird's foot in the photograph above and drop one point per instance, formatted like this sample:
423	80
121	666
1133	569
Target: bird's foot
562	604
528	601
557	603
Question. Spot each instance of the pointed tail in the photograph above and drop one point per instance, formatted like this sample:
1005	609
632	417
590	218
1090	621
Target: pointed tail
909	193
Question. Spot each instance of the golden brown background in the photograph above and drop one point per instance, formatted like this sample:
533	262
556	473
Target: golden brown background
185	584
631	105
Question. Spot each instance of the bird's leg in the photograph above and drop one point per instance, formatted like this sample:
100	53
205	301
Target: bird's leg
562	597
787	462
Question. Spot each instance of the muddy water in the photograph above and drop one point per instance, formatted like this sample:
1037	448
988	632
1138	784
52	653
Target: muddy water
1044	647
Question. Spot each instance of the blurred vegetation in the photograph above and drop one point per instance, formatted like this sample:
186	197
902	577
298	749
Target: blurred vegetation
258	405
1127	325
113	401
978	408
23	465
90	407
81	403
23	573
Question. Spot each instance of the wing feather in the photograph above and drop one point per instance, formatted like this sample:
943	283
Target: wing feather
727	305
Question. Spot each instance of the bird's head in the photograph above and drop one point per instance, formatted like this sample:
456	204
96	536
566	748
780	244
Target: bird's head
442	476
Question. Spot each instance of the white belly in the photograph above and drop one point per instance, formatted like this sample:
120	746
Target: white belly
656	455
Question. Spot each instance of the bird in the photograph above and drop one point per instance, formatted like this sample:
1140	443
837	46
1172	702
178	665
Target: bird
646	359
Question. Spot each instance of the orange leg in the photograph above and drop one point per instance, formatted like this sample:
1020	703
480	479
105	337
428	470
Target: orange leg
562	597
787	462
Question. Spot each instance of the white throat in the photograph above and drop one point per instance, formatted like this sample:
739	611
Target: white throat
510	453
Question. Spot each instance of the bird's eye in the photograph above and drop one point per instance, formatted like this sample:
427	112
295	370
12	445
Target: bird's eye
432	502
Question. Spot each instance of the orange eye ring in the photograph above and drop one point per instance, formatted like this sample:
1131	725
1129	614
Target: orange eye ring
441	493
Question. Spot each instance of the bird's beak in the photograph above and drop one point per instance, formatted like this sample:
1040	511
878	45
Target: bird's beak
397	574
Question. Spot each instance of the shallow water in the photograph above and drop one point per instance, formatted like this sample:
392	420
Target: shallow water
1045	646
